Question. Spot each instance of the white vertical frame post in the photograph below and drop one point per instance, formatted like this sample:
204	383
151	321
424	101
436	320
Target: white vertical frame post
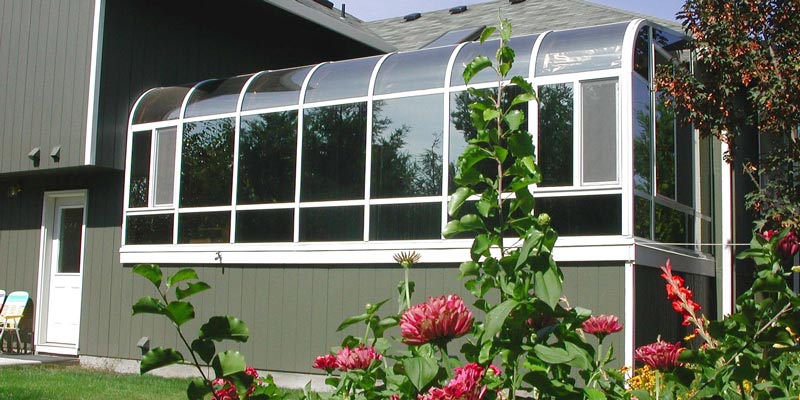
92	109
726	178
448	76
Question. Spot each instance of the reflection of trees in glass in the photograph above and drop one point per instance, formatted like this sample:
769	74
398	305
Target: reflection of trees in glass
670	225
267	152
642	138
149	229
334	140
206	227
641	217
555	134
140	170
396	170
207	163
641	53
665	148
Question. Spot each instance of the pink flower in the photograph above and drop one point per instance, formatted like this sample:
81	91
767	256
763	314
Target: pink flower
465	385
394	397
768	234
326	362
602	326
439	320
360	357
225	390
788	246
662	356
681	296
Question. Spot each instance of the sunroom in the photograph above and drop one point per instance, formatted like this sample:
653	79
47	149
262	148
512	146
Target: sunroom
351	162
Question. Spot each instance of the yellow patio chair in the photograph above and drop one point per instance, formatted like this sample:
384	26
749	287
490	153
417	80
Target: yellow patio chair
11	315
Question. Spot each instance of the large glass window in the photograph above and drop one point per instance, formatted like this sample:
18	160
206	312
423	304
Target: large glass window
139	187
583	215
407	147
580	50
267	152
556	113
642	137
340	80
275	89
204	227
522	45
405	221
331	224
262	226
216	97
207	163
160	104
334	145
414	70
599	130
165	165
149	229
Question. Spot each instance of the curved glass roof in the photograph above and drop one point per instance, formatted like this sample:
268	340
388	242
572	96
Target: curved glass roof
560	52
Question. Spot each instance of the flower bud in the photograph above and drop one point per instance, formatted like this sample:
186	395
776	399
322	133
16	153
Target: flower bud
544	220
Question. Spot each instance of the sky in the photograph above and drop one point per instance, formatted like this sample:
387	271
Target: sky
370	10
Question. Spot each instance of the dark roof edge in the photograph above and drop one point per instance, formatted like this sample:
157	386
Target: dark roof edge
334	24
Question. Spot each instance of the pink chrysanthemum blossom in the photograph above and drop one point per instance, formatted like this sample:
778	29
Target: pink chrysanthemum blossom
438	320
602	325
357	358
660	355
465	385
326	362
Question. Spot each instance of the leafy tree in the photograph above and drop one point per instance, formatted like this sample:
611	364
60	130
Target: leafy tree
748	76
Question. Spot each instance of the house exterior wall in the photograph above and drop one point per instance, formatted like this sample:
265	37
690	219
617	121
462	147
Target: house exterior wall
45	55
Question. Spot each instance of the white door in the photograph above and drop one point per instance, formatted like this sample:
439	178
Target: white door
60	299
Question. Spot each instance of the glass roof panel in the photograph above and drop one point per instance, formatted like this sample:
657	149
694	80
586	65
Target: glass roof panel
216	97
160	104
413	70
457	36
522	45
580	50
340	80
275	89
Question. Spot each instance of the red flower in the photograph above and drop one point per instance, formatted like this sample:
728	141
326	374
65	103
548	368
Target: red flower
767	235
360	357
788	246
602	326
662	356
439	320
226	390
465	385
681	296
326	362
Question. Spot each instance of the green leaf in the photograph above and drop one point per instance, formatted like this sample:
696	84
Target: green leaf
477	65
225	328
480	246
180	276
197	389
552	355
159	357
505	30
228	363
242	383
526	87
420	370
469	268
522	98
580	357
594	394
205	349
514	118
458	198
487	32
471	222
533	239
504	68
453	228
180	312
547	286
191	289
496	317
150	271
490	114
149	305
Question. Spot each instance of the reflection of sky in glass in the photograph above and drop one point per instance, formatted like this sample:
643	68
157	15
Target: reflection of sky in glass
580	50
275	88
216	97
642	140
421	114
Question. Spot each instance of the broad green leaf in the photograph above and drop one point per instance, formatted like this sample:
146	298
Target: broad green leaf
501	153
469	268
228	363
352	320
487	32
496	317
526	87
149	305
505	30
477	65
547	286
159	357
533	239
225	328
458	198
180	312
242	383
420	370
198	389
471	221
180	276
490	114
514	118
452	228
504	67
580	357
480	246
150	271
205	349
191	289
594	394
486	205
552	355
522	98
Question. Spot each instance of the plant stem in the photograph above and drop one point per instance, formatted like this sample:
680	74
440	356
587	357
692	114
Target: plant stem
446	360
408	294
658	384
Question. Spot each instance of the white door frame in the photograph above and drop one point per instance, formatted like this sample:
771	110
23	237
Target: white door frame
45	240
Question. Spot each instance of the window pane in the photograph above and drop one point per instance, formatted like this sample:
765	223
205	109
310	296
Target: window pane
580	50
275	89
405	221
340	80
665	148
599	125
267	152
216	97
555	134
583	215
684	164
160	105
641	53
149	229
334	152
69	240
705	175
641	217
673	226
413	70
407	147
140	170
642	138
208	227
207	163
264	226
332	224
165	165
522	45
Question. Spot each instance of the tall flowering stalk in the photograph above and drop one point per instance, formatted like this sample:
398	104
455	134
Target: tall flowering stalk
406	260
683	303
600	326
